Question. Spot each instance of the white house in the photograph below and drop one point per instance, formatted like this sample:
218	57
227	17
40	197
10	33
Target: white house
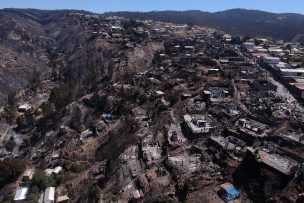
21	194
248	45
24	107
159	93
292	73
275	51
271	60
56	170
49	195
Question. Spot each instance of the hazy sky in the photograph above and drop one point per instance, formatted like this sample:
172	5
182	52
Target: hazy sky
99	6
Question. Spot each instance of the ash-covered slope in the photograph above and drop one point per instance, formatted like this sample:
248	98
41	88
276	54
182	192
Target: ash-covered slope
28	41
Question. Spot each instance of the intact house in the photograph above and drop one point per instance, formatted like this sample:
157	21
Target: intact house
271	60
50	171
24	108
48	196
28	175
21	195
292	73
159	94
248	46
228	192
189	49
276	51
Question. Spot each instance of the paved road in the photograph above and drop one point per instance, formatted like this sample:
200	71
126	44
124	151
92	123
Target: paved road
283	92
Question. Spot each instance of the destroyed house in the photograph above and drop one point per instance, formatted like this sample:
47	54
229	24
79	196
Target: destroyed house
222	143
134	167
198	124
219	92
216	94
292	139
276	162
150	150
235	59
236	141
251	129
262	85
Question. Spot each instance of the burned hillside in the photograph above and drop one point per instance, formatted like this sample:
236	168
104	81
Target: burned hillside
144	111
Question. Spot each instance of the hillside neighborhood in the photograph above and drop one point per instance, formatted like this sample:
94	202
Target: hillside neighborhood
149	111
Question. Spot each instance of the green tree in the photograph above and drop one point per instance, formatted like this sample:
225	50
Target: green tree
42	181
8	199
34	194
76	168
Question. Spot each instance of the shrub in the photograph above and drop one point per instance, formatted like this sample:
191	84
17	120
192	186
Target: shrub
10	170
42	181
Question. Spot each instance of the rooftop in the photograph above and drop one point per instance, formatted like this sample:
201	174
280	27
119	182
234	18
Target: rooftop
294	136
293	70
159	92
29	173
198	123
299	86
49	194
271	58
62	198
21	193
275	161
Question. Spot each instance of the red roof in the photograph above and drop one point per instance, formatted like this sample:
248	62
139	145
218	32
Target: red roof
299	85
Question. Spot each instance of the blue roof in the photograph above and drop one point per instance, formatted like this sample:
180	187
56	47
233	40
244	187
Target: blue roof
230	193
